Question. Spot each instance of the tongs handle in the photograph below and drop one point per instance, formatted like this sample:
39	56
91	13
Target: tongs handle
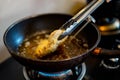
76	20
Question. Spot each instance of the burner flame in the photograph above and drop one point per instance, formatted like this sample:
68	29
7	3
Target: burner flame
55	74
69	74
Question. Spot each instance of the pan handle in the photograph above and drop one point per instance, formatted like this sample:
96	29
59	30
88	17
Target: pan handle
106	52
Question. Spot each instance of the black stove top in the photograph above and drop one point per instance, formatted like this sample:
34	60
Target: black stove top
12	70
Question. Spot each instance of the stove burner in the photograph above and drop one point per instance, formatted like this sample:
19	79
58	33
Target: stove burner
76	74
112	63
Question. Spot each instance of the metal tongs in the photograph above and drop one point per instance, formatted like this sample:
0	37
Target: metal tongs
82	15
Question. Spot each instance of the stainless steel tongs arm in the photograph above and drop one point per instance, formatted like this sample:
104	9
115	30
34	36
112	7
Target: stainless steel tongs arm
76	20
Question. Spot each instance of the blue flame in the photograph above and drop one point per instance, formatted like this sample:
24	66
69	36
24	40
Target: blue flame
55	74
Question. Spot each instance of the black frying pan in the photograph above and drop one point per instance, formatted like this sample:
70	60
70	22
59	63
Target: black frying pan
18	31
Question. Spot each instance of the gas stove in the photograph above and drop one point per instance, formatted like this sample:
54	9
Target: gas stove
93	68
12	70
71	74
